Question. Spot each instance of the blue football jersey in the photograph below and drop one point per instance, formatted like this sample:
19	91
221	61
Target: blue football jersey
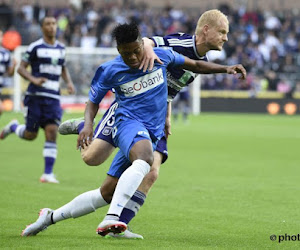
140	95
186	45
46	60
5	62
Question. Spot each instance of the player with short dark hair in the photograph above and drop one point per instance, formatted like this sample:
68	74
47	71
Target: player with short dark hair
46	57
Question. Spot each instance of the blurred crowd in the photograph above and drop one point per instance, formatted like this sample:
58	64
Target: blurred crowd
266	43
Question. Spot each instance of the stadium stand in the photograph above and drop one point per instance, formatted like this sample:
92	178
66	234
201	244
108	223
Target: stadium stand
265	42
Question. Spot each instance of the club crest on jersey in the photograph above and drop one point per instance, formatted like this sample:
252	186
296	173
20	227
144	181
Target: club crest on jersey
54	61
143	84
107	131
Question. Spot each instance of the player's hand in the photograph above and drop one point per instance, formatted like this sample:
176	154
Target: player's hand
148	59
85	137
71	88
14	62
238	68
168	127
39	81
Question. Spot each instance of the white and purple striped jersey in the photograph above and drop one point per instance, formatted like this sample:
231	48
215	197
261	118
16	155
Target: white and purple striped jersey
5	62
185	45
47	61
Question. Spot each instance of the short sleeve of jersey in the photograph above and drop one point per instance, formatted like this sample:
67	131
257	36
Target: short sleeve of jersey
29	54
175	58
170	40
159	41
98	87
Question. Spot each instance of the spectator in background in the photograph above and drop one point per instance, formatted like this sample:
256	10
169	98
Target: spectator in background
6	17
250	28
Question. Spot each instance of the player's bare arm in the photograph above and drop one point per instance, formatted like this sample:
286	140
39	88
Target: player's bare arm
86	134
11	69
235	69
203	67
168	120
67	78
24	73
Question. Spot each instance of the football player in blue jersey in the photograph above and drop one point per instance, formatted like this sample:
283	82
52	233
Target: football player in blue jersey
211	34
46	57
7	67
139	124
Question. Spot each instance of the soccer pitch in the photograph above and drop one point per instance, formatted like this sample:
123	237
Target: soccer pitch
231	182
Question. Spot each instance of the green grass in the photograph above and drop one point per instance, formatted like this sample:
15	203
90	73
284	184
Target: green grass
231	181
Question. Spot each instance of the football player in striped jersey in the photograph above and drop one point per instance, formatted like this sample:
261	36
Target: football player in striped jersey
46	57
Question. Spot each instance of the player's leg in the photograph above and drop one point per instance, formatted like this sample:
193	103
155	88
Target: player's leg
86	203
32	114
118	166
74	126
97	152
50	120
49	154
102	145
134	139
138	199
81	205
100	149
152	176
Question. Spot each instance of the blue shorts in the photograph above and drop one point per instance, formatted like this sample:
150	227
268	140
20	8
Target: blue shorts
41	111
127	132
105	126
119	164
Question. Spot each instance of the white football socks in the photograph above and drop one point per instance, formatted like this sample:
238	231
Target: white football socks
20	130
81	205
127	185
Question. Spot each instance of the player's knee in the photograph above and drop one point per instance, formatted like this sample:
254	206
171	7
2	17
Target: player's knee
30	136
151	177
51	135
90	160
149	160
148	157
